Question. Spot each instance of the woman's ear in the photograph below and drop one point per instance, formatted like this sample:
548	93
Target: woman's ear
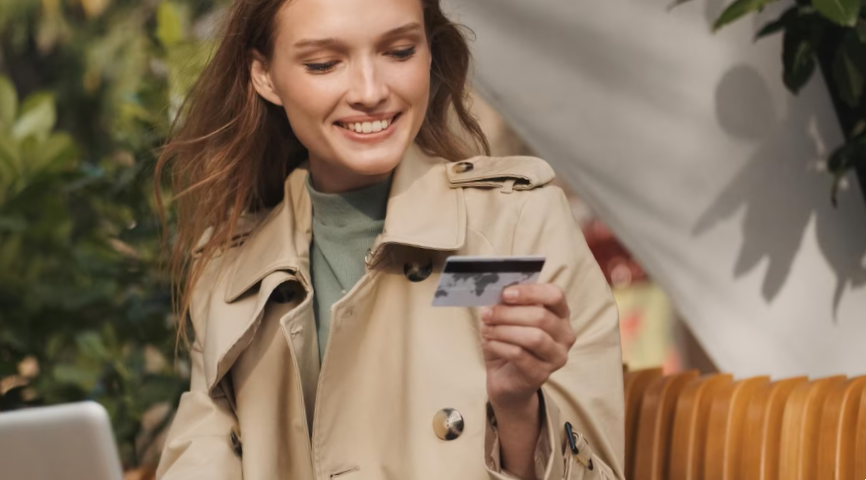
262	82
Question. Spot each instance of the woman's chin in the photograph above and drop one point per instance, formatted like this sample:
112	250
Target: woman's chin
373	161
372	166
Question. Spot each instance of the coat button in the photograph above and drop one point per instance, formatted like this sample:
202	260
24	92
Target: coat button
237	446
418	272
464	167
448	424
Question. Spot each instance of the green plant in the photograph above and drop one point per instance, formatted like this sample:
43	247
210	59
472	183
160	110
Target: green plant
85	304
830	34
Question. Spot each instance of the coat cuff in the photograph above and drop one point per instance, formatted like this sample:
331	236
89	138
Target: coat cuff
554	458
543	449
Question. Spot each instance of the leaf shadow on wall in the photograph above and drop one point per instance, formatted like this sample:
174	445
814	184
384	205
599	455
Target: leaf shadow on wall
781	189
712	10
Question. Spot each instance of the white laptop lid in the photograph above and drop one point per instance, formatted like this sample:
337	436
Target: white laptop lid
65	442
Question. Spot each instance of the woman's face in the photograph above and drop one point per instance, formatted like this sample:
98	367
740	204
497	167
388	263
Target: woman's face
354	79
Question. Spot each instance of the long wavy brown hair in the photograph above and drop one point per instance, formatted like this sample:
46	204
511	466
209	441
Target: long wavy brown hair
230	150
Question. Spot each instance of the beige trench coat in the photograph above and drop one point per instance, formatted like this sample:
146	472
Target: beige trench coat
392	361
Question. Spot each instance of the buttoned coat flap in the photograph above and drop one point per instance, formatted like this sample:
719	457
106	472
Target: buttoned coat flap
519	172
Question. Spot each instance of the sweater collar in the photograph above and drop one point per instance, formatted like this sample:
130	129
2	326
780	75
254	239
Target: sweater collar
358	206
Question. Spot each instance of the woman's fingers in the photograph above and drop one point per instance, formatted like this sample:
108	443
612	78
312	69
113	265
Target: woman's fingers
547	294
531	331
535	341
531	316
531	368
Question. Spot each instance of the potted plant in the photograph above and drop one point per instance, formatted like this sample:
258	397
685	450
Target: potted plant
830	35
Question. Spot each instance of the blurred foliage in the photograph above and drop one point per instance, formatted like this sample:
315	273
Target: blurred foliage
833	31
87	94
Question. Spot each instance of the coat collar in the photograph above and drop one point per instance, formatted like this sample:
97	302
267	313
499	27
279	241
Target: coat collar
424	211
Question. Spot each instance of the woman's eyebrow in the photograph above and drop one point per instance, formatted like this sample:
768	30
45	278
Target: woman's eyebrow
331	41
409	27
320	42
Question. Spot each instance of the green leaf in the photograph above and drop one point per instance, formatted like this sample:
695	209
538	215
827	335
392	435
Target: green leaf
849	70
8	102
10	250
798	57
91	346
83	376
781	23
677	3
55	153
37	117
843	12
844	159
773	27
12	224
169	24
861	31
738	9
798	16
10	161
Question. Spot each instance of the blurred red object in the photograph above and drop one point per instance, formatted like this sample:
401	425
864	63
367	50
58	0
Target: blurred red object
619	267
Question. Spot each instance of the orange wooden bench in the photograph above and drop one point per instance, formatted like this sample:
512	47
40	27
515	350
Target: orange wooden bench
688	427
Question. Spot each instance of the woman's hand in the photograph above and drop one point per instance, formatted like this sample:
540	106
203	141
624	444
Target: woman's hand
524	342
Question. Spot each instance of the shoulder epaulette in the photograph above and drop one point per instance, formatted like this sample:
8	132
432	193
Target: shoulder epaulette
505	173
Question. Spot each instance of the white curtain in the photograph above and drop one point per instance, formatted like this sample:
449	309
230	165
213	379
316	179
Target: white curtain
687	144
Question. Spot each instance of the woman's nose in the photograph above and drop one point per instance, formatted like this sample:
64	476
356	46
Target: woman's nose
366	87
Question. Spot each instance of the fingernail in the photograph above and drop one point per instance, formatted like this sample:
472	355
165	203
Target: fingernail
486	313
485	330
510	294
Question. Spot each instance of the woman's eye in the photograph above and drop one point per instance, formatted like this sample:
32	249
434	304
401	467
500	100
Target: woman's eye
320	67
403	54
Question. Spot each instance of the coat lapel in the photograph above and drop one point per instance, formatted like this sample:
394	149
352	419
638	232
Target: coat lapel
423	212
275	252
281	242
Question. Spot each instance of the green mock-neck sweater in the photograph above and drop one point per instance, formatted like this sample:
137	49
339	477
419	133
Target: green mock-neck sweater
345	225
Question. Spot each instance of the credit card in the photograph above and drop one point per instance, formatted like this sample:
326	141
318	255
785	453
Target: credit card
469	281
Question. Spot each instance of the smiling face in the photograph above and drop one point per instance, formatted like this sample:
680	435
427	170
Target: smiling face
354	79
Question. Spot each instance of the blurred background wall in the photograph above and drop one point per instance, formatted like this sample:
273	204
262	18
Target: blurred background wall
688	146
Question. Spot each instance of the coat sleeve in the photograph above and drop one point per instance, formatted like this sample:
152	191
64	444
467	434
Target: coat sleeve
588	391
199	445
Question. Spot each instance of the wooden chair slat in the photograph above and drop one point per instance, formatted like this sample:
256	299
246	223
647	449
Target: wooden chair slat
636	384
800	429
726	428
690	426
763	430
655	426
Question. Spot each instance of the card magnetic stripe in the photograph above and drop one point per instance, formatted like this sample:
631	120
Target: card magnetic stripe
506	266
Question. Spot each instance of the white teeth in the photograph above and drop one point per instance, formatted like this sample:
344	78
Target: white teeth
367	127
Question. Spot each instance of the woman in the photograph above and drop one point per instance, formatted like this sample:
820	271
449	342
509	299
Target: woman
321	132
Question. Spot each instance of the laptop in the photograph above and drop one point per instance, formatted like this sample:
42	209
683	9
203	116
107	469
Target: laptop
65	442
